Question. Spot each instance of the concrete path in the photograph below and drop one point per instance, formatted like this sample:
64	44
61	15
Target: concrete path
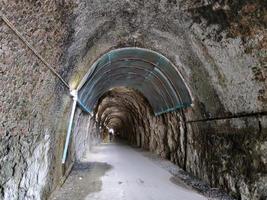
119	172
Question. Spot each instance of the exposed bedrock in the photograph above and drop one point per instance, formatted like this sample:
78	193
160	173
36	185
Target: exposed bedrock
129	114
219	47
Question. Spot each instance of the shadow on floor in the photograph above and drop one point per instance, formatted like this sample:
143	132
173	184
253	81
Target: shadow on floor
84	179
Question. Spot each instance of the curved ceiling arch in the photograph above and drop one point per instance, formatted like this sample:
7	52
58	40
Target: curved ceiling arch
135	79
116	107
145	70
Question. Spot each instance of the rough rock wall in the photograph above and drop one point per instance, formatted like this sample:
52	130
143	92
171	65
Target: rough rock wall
129	114
218	46
220	49
85	134
34	106
230	153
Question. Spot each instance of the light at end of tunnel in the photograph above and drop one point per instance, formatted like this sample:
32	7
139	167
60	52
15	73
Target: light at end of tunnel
111	130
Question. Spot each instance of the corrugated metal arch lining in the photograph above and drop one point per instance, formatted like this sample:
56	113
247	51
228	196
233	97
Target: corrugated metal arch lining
144	70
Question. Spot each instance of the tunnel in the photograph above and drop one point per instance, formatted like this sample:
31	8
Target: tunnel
136	100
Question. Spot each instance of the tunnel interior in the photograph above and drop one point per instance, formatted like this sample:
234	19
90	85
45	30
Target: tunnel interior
119	109
202	104
129	114
155	115
136	92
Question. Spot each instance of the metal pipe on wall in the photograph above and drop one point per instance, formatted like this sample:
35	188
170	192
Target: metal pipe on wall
74	105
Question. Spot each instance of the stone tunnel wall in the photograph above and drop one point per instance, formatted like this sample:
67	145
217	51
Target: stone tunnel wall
218	46
226	153
130	115
230	153
34	105
86	134
220	49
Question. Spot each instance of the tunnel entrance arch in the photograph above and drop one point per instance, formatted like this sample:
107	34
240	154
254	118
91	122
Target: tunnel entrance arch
146	71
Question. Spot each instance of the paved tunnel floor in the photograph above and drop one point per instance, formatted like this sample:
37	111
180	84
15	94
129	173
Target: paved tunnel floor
120	172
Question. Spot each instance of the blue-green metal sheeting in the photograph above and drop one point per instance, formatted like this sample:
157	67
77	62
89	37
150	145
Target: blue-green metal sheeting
144	70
